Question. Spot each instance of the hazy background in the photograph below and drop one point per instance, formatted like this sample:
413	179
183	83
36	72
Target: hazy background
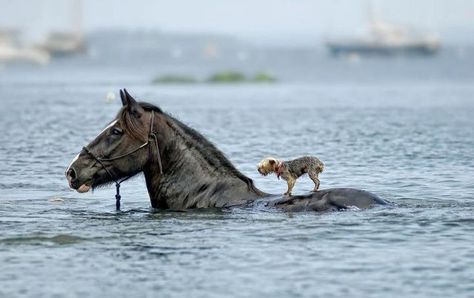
267	21
399	126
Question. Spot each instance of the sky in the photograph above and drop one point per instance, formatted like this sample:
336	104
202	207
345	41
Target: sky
277	20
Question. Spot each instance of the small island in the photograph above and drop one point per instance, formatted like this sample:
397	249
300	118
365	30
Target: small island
221	77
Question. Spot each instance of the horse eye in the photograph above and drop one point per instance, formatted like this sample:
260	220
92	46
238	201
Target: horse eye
116	131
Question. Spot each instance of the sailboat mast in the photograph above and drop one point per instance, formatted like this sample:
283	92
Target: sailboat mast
371	12
77	17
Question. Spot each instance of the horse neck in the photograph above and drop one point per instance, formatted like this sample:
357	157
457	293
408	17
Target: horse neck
195	173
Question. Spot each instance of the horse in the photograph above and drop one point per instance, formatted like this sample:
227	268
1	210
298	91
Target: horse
182	169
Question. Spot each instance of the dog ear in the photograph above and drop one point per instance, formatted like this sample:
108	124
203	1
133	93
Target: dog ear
271	162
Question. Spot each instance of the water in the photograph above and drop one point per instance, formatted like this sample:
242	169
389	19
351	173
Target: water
402	129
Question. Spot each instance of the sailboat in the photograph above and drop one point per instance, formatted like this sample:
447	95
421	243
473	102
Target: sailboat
11	50
386	39
65	43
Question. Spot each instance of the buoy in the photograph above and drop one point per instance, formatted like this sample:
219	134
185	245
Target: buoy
110	97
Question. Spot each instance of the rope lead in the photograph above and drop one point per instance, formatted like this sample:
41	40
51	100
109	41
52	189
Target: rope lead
117	197
100	160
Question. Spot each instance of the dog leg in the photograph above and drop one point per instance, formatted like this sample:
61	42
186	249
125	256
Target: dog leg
291	183
314	177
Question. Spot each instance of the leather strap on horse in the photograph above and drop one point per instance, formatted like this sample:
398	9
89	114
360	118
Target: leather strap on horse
100	160
155	138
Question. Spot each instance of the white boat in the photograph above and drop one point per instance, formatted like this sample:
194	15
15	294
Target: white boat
11	50
63	43
386	39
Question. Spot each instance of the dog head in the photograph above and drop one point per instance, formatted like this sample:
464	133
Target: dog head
267	166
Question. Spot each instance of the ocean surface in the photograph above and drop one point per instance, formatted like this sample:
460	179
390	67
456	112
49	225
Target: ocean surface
402	128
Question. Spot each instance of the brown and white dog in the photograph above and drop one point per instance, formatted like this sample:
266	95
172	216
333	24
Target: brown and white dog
292	170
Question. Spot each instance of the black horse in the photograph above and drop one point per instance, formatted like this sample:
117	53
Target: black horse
182	169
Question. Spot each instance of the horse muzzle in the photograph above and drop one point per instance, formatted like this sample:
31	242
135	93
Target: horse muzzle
74	183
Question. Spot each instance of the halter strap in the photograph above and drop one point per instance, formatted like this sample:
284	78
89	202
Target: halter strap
155	138
100	160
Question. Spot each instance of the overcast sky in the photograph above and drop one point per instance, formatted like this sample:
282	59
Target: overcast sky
257	19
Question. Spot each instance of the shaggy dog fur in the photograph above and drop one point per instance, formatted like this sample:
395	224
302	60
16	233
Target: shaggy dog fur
292	170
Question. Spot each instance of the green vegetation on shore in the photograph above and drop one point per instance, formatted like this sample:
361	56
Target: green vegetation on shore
227	77
263	77
221	77
174	79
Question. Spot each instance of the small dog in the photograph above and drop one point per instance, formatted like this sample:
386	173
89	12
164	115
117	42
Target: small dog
292	170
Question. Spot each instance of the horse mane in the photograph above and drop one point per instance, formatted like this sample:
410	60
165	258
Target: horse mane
209	151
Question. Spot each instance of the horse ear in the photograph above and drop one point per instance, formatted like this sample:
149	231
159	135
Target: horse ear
123	98
130	98
133	107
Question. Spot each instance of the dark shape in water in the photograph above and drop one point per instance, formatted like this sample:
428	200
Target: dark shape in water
195	174
373	48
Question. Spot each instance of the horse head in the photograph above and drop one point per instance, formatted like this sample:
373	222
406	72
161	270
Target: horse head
120	151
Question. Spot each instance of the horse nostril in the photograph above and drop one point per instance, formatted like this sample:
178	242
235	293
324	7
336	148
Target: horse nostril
71	174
